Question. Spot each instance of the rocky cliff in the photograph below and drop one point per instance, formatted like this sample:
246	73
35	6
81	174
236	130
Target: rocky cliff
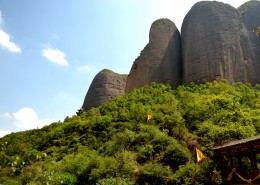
249	22
212	48
105	86
217	42
160	60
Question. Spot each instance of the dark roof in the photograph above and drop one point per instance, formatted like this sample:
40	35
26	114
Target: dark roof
238	143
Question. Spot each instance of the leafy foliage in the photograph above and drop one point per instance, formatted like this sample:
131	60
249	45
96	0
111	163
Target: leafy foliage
115	144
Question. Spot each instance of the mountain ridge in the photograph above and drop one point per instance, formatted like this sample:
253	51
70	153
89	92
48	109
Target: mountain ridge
217	41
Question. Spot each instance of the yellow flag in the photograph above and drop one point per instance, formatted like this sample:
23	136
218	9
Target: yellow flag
149	117
200	155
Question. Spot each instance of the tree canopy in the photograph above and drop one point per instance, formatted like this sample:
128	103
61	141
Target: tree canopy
116	143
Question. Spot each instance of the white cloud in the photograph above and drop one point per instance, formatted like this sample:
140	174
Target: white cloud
4	132
5	39
55	55
86	68
6	115
27	118
7	44
24	119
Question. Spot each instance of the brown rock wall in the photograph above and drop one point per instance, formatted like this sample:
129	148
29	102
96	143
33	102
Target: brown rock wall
160	60
249	22
217	42
211	44
105	86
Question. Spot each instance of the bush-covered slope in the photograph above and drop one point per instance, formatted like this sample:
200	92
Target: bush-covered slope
115	144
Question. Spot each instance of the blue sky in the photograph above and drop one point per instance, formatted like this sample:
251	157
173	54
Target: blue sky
51	50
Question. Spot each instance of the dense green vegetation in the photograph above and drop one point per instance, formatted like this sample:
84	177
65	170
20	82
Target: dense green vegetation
115	144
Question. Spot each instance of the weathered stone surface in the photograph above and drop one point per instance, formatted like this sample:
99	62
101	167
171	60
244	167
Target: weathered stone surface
249	22
211	44
105	86
217	42
160	60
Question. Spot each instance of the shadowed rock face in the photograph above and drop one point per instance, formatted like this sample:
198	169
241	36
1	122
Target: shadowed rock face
250	21
160	60
105	86
211	44
217	42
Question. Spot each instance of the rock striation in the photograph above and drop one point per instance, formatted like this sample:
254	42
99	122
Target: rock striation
105	86
217	42
212	48
160	60
249	22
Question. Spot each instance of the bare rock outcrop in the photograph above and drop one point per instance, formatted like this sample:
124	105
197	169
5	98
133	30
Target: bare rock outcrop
212	46
249	22
160	60
105	86
217	42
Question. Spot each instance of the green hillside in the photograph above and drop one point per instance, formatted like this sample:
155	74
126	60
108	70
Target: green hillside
115	144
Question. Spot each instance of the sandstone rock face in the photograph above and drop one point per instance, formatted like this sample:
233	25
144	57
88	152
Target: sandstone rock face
212	46
105	86
217	42
160	60
249	22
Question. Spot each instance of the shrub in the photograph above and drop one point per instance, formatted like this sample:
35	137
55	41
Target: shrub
66	179
154	173
176	155
115	181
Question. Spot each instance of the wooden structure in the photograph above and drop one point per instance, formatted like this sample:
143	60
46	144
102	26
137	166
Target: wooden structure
237	160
